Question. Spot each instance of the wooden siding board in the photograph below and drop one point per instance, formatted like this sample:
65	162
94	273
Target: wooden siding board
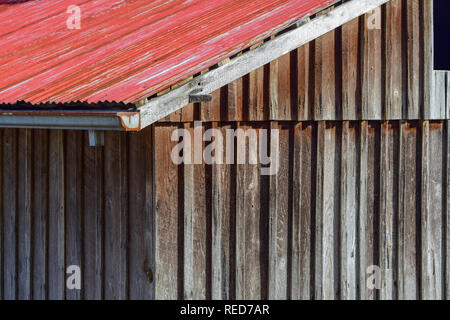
40	188
258	85
141	246
351	83
373	78
56	220
166	215
325	107
408	208
222	220
24	218
304	76
413	57
74	204
303	177
280	88
388	209
116	216
430	111
367	209
195	225
431	219
93	226
279	211
248	230
348	212
395	92
326	204
10	223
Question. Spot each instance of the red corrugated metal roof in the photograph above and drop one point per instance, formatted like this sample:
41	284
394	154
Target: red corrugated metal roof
127	50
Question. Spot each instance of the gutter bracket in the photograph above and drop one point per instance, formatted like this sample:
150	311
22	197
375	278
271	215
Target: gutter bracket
196	97
96	138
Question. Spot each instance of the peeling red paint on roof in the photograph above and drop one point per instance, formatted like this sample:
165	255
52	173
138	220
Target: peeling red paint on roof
127	50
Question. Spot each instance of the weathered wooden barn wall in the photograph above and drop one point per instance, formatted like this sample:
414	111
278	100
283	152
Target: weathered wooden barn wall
363	180
348	195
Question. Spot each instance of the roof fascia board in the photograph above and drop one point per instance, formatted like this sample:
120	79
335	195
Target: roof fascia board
160	107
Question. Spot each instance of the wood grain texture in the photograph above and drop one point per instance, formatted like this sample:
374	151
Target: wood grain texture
413	48
394	93
141	227
10	223
223	215
388	209
431	220
40	188
327	203
195	221
116	216
166	215
279	217
302	285
409	207
351	73
93	226
56	219
74	205
24	217
248	230
349	212
373	77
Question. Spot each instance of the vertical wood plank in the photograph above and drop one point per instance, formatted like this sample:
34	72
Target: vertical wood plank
394	64
248	233
409	207
56	219
93	227
280	88
165	215
440	95
10	223
447	214
304	76
210	111
351	82
195	222
324	78
367	207
431	221
429	110
40	213
326	204
279	217
303	177
413	48
235	100
257	88
372	66
141	253
349	212
24	231
388	209
74	215
116	216
222	215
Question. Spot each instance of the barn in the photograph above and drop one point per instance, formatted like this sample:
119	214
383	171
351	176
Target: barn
351	99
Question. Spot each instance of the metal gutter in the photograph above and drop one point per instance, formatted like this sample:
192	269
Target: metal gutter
106	120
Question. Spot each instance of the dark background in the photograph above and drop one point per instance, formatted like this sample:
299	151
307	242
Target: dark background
442	34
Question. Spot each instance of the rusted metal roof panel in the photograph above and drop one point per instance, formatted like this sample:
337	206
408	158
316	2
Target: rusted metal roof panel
127	50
